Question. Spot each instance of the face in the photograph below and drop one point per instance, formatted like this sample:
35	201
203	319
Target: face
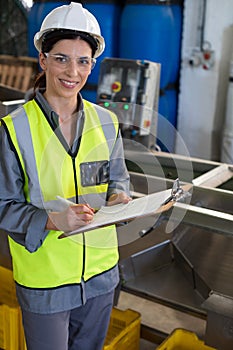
65	81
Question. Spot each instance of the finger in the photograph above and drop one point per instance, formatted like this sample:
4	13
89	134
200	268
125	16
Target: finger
92	209
84	217
127	199
83	208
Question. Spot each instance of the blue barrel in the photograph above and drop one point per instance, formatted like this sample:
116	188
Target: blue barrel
147	32
167	120
176	42
107	14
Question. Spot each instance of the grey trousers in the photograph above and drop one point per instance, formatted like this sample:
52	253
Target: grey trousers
83	328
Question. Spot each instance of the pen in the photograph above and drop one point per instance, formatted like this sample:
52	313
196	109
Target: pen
67	202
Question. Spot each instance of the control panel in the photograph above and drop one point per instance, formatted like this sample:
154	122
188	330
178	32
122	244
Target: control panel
130	88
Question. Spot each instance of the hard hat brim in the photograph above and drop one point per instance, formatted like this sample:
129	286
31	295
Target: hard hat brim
96	41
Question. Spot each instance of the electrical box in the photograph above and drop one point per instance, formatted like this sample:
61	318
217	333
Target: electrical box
130	88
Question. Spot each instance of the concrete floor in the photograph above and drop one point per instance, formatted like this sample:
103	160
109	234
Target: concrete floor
146	345
160	317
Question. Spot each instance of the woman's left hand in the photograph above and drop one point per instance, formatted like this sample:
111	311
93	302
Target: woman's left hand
117	198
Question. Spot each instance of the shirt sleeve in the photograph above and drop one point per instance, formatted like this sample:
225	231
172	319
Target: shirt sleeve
119	176
23	222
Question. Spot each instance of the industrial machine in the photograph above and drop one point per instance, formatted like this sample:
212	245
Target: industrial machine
183	259
130	88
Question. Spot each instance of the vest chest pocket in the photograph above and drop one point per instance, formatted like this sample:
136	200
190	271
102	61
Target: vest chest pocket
94	173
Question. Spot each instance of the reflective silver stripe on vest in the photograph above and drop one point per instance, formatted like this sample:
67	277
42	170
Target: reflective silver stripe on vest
95	200
108	127
23	133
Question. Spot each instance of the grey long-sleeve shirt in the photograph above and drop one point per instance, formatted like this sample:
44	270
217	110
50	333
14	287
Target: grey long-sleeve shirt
22	220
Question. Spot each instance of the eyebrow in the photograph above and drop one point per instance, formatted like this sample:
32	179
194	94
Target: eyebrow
59	54
63	54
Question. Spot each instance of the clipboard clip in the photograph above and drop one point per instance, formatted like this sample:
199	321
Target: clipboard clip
177	193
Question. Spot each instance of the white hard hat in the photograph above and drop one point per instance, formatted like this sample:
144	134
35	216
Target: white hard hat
71	17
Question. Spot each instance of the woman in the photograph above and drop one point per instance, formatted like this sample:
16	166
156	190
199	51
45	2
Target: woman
57	144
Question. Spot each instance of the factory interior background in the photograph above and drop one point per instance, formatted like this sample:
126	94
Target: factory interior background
191	39
190	42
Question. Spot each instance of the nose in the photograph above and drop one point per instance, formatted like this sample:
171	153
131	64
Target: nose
73	68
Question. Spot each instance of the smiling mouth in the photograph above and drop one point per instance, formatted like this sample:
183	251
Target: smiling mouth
69	83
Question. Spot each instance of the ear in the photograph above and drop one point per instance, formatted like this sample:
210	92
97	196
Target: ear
42	61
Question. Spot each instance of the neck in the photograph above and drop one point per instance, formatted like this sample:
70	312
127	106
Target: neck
65	108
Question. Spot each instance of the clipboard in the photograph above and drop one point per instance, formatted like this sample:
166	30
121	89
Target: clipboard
148	205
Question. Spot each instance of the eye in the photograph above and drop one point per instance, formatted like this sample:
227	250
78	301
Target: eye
61	59
84	60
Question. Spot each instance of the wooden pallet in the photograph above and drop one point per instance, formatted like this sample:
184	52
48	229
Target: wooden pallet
18	72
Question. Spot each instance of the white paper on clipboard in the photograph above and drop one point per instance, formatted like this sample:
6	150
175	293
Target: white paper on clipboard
138	207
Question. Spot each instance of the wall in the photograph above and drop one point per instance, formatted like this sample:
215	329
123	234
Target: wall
202	98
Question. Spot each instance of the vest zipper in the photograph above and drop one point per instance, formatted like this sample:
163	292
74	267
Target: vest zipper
83	294
75	179
82	285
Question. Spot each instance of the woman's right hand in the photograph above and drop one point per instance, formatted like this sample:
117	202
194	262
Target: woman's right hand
70	219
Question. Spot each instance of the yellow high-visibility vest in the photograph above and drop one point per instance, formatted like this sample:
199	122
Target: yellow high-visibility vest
49	170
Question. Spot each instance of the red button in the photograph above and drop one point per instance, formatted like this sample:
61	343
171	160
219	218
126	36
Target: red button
146	123
116	86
